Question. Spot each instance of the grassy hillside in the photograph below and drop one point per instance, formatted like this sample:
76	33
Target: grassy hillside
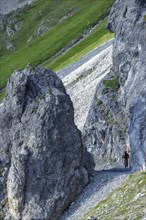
46	27
127	202
98	36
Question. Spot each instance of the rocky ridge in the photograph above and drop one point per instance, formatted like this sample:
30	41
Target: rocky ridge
117	116
42	160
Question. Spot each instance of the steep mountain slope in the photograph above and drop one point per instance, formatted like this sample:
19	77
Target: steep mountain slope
46	29
117	118
81	82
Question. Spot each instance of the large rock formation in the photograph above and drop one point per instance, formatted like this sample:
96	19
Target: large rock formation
117	117
42	160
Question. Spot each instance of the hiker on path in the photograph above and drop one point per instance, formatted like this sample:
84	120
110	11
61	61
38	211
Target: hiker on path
125	157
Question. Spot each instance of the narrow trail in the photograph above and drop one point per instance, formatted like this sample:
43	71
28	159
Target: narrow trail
105	181
102	184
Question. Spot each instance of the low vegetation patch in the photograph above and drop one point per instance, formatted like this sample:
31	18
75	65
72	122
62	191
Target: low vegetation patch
127	202
99	102
1	171
2	94
112	84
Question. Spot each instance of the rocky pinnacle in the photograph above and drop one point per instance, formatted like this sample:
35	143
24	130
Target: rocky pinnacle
42	160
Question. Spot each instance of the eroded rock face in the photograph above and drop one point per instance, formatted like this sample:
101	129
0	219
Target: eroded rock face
117	117
41	153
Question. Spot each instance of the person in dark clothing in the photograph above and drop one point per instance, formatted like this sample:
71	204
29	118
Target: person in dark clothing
125	157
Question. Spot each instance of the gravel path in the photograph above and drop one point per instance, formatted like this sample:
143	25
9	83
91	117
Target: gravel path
62	73
102	184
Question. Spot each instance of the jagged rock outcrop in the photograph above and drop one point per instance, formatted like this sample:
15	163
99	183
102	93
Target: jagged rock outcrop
117	117
42	160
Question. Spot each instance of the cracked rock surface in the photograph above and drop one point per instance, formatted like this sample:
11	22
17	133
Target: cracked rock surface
117	117
42	160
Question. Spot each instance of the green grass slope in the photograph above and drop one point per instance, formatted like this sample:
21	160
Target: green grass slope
65	21
127	202
98	36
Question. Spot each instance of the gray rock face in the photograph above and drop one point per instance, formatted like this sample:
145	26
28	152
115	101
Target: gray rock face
9	46
7	6
117	117
42	159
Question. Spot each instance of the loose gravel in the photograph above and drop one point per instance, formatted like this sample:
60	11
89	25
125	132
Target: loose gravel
81	83
102	184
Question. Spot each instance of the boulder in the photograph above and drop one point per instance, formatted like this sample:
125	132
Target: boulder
42	159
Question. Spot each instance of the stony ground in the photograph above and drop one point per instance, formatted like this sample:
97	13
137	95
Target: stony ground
82	77
102	184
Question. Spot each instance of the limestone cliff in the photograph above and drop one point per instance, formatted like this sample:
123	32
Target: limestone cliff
117	117
42	160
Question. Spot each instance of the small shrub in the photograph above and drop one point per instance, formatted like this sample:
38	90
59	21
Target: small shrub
1	172
144	22
105	91
89	71
34	111
99	102
111	121
112	84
